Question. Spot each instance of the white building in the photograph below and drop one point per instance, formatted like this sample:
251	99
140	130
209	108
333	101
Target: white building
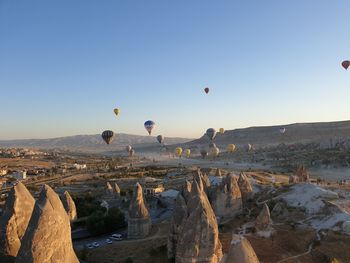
79	166
19	175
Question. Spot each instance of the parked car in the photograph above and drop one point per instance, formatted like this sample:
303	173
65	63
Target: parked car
95	244
90	246
117	237
109	241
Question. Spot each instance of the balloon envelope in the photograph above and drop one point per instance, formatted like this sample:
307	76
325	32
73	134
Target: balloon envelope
116	111
107	136
178	151
188	153
149	125
204	153
215	151
345	64
222	130
160	138
206	90
282	130
231	148
128	148
211	133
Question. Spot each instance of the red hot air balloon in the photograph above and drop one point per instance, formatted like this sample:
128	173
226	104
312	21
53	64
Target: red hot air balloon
345	64
206	90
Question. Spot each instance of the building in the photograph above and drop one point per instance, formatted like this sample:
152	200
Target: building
153	188
19	175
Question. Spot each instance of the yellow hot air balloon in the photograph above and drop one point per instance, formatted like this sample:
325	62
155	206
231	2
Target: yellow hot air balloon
116	111
214	151
188	153
231	148
222	130
178	151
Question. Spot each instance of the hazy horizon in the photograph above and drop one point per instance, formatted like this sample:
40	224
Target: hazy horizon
65	65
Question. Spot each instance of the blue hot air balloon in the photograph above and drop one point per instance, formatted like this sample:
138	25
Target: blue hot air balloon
211	133
149	125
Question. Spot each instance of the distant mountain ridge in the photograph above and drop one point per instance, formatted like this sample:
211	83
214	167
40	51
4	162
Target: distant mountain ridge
259	136
91	143
270	135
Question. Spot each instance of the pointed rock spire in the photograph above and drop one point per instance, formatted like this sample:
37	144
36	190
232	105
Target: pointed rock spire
218	172
116	189
198	240
245	186
240	251
139	223
48	236
14	221
226	198
69	206
109	188
263	221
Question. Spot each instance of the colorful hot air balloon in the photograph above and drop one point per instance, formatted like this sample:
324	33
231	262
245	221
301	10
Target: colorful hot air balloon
282	130
214	151
107	136
116	111
211	133
204	153
345	64
160	139
206	90
222	130
188	153
128	148
178	151
149	125
231	148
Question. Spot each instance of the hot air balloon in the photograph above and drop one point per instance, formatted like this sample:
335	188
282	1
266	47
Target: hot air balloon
282	130
222	130
206	90
131	153
214	151
149	125
107	136
116	111
128	148
249	147
211	133
231	148
204	153
188	153
178	151
345	64
160	139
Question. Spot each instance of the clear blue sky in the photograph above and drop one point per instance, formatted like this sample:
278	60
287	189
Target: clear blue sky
64	65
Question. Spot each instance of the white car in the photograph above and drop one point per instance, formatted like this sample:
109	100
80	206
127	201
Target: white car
95	244
89	246
117	237
109	241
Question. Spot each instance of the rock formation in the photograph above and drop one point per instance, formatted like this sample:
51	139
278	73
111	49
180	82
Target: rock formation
202	180
263	222
240	251
198	240
109	188
139	223
245	187
116	189
293	179
48	236
14	221
218	172
302	174
69	205
226	198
